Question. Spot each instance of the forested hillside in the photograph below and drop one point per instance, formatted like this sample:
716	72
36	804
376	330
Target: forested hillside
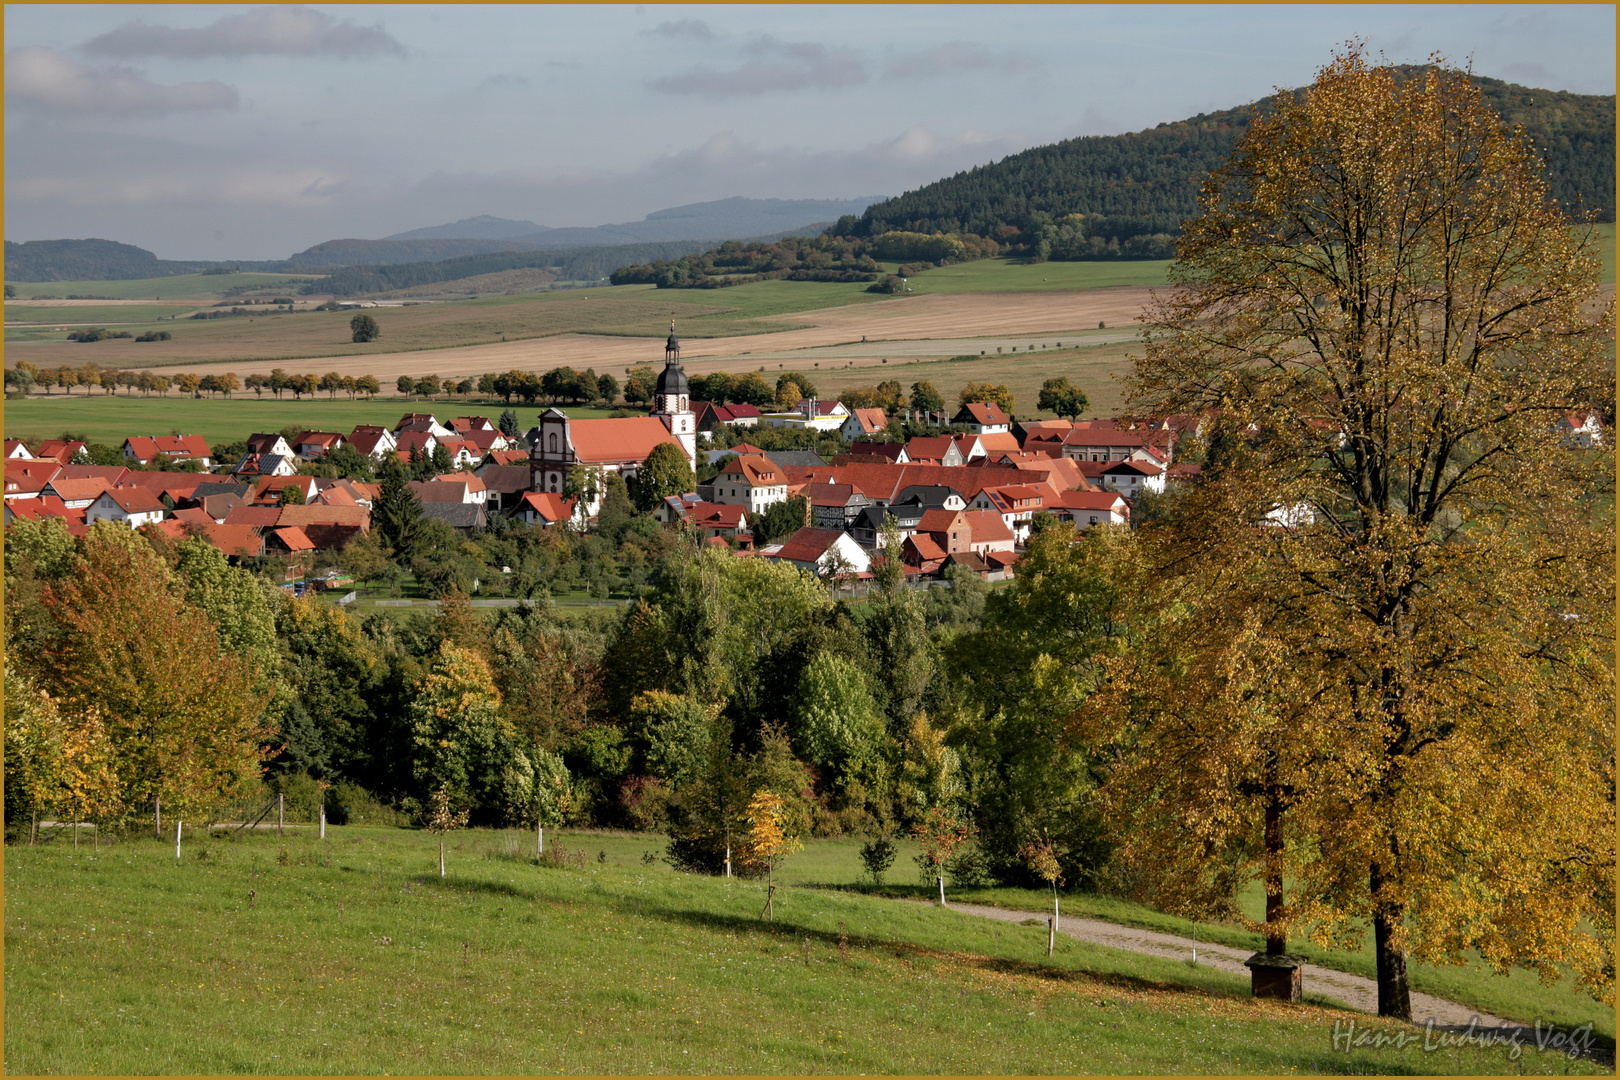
1147	182
577	264
88	260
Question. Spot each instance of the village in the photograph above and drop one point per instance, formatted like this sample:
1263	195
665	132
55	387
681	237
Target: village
968	498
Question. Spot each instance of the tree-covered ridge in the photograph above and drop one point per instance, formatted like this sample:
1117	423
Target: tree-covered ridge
88	260
1147	182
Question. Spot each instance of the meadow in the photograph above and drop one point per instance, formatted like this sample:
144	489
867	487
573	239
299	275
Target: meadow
111	418
178	287
267	954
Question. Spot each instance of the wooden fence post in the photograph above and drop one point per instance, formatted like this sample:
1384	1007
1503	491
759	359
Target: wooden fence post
1051	935
280	806
539	840
177	824
728	861
323	821
157	816
941	891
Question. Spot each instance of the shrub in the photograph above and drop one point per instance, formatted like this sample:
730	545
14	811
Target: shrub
877	856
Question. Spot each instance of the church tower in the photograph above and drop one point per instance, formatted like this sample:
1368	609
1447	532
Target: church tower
672	401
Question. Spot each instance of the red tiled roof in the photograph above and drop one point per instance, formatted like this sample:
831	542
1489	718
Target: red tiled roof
177	485
987	526
192	515
259	517
715	515
233	539
549	505
366	442
1090	500
415	440
871	420
71	490
890	451
316	514
985	412
176	446
508	457
828	494
995	442
59	449
756	469
937	520
46	506
133	500
925	546
929	447
627	439
293	538
115	474
807	545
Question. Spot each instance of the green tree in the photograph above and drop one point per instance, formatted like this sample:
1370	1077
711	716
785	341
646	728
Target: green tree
781	519
1381	284
924	398
508	423
364	328
462	744
1062	397
991	393
837	723
607	388
405	385
290	495
427	385
368	385
396	516
666	472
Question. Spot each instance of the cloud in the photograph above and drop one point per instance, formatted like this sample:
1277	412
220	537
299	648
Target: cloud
268	31
47	80
503	82
254	187
953	58
782	65
692	29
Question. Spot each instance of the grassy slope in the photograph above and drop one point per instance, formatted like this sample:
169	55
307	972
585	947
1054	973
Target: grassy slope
1014	275
186	286
1518	995
112	418
354	956
42	318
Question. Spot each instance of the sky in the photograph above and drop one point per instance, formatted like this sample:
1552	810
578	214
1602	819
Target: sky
239	132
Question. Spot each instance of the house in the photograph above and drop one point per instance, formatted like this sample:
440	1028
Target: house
288	540
461	425
40	508
990	444
988	532
1131	478
507	457
833	506
132	506
269	444
752	481
422	442
63	450
253	516
713	520
316	444
27	477
863	422
1088	508
451	488
464	453
711	416
1016	503
372	441
1583	429
728	451
268	489
307	517
504	485
1089	442
422	423
543	508
795	458
810	413
887	451
820	551
487	441
170	447
935	450
253	464
982	417
75	494
17	450
465	518
948	530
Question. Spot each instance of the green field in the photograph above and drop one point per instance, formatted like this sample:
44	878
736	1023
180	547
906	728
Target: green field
181	286
113	418
1098	370
292	955
1015	275
19	316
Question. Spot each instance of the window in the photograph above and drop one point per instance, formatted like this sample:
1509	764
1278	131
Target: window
553	442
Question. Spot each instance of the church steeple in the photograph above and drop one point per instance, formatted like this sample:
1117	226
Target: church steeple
672	398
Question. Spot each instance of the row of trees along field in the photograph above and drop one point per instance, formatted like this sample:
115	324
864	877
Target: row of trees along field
1366	659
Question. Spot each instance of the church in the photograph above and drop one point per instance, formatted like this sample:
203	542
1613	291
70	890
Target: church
562	444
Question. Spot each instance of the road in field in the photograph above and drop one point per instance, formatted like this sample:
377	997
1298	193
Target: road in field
911	326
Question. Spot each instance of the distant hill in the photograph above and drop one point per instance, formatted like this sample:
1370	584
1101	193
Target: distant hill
88	260
723	219
482	227
1147	182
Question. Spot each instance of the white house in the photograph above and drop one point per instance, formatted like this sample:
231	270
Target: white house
753	481
983	418
1088	508
132	506
863	422
819	550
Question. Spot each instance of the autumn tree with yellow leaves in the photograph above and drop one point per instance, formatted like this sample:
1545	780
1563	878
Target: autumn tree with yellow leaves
767	842
1379	664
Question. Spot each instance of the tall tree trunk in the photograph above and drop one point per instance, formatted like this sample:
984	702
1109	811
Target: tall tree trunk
1276	937
1394	995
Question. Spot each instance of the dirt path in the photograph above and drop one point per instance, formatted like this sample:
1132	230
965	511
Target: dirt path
1357	992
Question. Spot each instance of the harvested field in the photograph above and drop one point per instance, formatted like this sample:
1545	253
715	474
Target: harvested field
915	325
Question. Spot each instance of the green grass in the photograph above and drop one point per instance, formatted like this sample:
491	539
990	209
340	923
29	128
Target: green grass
1518	995
111	418
36	317
187	286
353	956
1014	275
1605	235
1098	370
